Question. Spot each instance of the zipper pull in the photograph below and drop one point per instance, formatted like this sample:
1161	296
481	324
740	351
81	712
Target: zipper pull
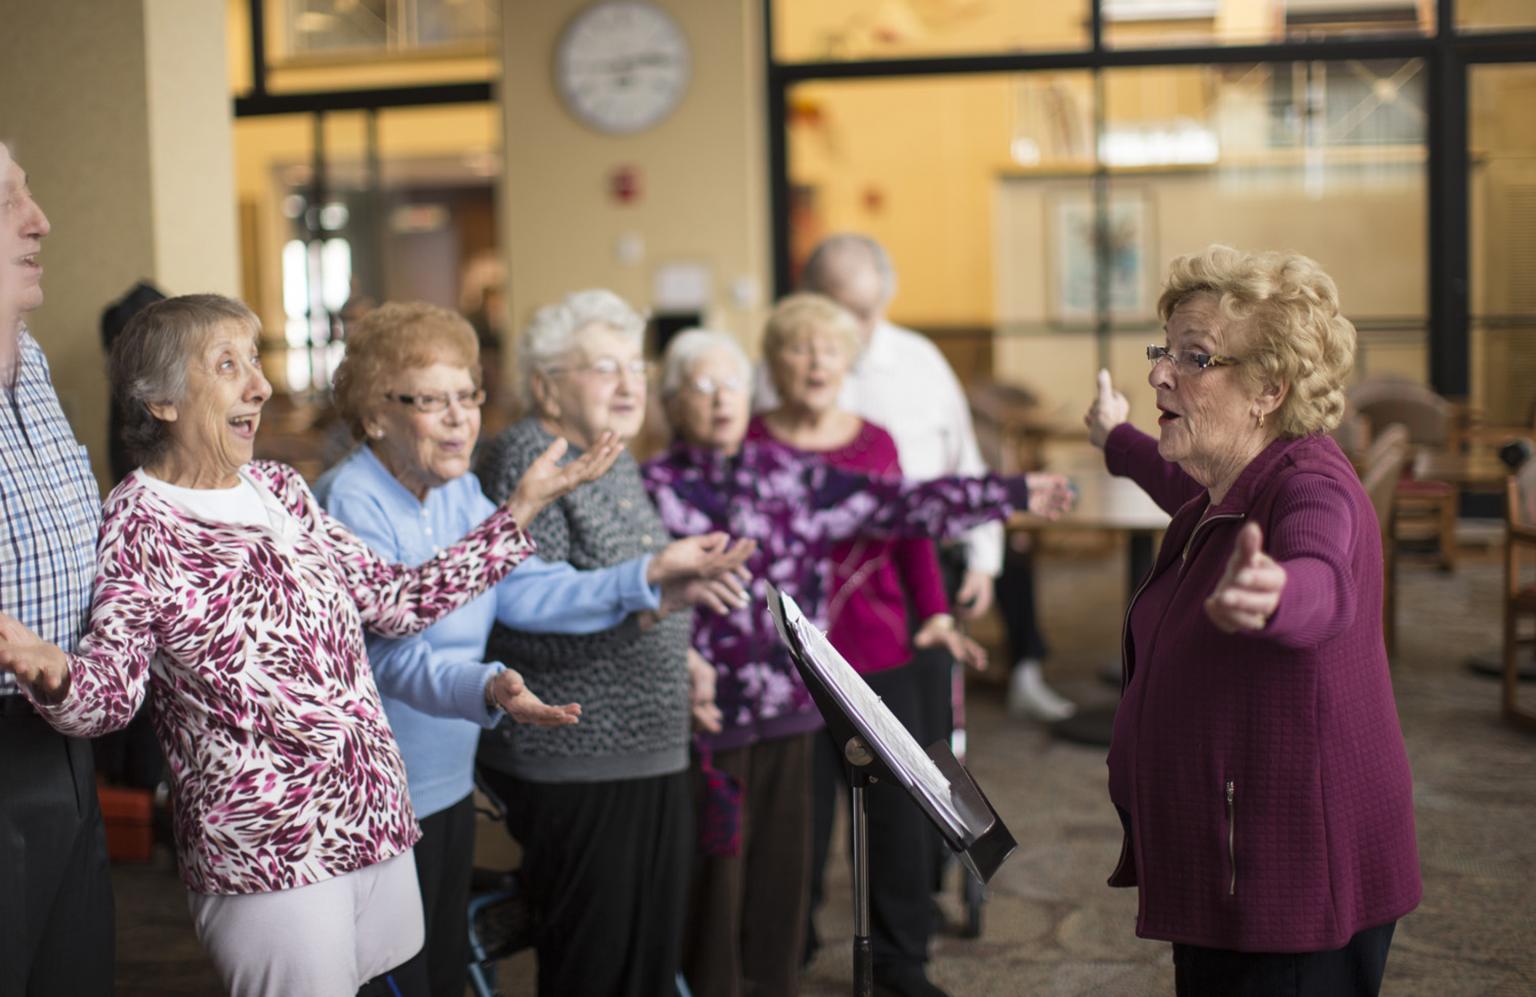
1231	790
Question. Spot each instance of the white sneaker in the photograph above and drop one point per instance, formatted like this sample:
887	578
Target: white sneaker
1029	696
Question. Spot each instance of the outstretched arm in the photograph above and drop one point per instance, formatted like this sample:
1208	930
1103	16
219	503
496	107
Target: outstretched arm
1301	591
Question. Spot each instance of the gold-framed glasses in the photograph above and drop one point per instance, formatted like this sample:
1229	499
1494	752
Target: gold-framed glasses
1189	360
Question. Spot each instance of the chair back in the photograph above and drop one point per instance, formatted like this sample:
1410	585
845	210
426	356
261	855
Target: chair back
1393	437
1521	505
1384	400
1384	466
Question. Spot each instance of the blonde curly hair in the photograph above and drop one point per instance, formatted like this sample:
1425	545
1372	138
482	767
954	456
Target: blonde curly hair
1284	311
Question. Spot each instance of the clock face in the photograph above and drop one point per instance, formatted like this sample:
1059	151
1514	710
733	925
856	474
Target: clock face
622	65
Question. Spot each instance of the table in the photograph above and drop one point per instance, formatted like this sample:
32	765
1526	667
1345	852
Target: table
1117	505
1475	471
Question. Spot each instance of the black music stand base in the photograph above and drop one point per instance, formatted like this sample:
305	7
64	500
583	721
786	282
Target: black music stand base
863	957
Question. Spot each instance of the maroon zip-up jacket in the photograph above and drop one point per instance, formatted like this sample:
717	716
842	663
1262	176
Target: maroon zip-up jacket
1262	775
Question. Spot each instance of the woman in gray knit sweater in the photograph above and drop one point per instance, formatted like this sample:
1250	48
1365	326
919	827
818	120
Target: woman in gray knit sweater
602	810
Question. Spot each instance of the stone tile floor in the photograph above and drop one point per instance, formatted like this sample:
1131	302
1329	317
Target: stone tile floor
1051	926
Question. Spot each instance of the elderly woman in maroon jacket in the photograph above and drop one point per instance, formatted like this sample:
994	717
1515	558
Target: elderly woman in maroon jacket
1257	763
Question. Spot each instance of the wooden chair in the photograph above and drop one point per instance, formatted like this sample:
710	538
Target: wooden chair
1519	586
1425	509
1384	464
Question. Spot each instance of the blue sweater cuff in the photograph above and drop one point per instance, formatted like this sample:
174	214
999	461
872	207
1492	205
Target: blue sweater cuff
633	590
469	692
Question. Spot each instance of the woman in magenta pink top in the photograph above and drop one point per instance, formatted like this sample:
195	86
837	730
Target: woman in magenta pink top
808	346
1257	764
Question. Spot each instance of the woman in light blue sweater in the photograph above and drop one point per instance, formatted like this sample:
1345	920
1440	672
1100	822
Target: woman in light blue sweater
410	388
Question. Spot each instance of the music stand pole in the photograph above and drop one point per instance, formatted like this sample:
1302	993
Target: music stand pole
858	757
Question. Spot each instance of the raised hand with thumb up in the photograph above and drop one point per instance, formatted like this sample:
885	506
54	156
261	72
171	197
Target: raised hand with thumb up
1249	592
1109	409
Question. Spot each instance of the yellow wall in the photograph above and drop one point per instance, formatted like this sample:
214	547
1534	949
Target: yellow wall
125	199
703	170
1367	229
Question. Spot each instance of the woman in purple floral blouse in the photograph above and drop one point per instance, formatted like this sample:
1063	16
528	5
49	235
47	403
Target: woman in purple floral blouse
223	584
797	508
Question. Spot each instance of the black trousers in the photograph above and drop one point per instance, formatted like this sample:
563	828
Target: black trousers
606	866
56	913
1352	971
1016	603
902	844
746	913
444	862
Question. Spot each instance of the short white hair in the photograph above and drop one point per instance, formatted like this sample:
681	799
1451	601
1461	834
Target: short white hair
554	330
827	266
691	344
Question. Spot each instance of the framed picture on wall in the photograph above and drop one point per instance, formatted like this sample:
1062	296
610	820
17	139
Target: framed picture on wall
1070	250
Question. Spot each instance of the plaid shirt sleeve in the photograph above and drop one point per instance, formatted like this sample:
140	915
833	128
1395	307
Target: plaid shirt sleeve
50	510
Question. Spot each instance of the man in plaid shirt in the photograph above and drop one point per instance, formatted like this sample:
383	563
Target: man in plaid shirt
56	916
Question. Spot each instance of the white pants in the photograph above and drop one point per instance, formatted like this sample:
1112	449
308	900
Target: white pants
321	940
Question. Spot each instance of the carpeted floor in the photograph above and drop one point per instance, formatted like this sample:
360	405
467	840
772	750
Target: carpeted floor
1051	926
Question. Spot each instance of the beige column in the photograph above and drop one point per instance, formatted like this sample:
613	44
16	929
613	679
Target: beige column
119	111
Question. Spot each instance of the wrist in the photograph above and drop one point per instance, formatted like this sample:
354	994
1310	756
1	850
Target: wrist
656	570
522	509
940	623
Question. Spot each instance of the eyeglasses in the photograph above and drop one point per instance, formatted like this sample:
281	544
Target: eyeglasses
714	385
429	404
606	369
1188	360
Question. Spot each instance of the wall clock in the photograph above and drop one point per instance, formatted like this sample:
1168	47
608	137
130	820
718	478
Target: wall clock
622	66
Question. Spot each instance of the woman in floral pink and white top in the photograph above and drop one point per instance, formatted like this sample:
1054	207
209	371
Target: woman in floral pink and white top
224	585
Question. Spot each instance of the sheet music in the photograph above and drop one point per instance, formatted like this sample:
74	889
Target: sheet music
894	743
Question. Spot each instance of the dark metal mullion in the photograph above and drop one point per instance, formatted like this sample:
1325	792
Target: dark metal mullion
363	100
778	160
1019	62
1507	47
1448	236
314	229
258	48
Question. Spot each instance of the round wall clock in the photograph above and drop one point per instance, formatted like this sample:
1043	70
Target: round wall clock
622	66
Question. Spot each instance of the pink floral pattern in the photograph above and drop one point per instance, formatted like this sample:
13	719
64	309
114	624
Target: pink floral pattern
283	766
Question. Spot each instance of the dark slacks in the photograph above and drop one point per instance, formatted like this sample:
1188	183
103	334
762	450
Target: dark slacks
902	844
1352	971
746	913
56	913
444	861
606	867
1016	604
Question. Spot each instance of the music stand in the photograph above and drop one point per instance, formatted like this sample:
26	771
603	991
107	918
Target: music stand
876	746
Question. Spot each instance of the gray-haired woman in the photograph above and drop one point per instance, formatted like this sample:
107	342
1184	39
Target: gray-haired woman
602	810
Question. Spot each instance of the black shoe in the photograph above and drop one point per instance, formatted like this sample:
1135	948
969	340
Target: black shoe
905	980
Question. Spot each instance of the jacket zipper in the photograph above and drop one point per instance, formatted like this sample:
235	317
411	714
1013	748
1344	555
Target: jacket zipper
1232	835
1188	544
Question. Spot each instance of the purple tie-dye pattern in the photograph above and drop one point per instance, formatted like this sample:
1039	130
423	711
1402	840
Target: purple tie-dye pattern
796	507
284	771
